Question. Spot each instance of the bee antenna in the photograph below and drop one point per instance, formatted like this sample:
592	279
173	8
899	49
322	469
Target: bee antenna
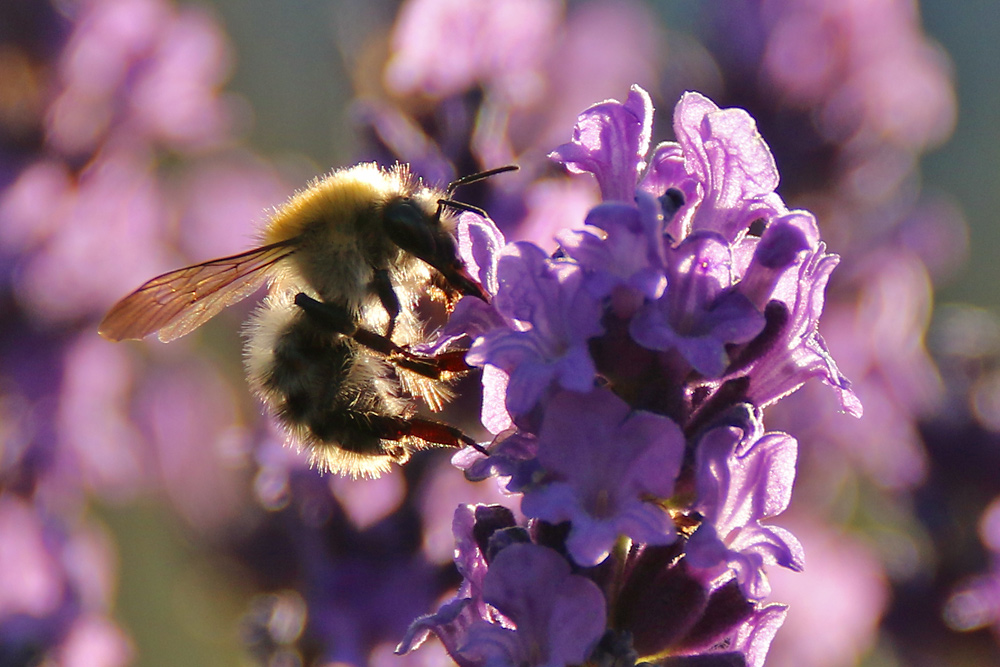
451	203
475	178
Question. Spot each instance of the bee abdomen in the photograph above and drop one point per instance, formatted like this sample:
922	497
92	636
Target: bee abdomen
335	398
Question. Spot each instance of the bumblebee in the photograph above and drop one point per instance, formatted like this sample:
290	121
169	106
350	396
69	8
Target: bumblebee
346	261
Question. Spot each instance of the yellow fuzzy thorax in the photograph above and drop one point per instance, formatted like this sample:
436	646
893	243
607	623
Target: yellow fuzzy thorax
337	198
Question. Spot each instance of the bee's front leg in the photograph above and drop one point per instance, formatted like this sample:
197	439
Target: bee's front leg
387	296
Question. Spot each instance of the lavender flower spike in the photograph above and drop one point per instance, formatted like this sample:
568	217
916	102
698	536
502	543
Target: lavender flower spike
633	366
610	141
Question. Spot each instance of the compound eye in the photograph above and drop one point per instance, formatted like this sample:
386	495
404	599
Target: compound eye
410	228
419	234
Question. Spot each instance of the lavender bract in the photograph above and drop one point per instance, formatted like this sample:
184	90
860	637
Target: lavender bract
625	377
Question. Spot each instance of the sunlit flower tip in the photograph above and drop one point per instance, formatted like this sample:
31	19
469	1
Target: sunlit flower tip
773	258
553	617
450	624
479	244
610	141
754	637
720	165
743	478
601	462
799	351
725	154
549	317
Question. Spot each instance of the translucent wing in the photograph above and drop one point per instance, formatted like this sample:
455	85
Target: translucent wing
179	302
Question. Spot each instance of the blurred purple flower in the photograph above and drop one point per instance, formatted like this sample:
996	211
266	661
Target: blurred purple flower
99	444
864	65
63	226
31	577
145	71
56	590
196	442
368	501
843	590
501	44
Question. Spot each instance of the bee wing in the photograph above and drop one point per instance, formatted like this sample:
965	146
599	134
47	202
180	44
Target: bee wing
178	302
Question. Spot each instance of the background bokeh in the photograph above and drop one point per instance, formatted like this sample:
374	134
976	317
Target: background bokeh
148	514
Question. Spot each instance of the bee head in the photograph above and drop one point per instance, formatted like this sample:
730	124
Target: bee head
421	234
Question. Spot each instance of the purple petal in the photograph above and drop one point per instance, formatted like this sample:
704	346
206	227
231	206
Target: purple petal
610	141
527	386
450	624
696	315
772	271
556	612
800	352
775	545
755	637
494	416
724	152
667	170
479	246
600	488
742	478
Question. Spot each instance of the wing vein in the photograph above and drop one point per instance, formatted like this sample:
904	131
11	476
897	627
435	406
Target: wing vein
180	301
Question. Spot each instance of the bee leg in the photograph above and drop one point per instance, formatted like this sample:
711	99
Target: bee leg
339	320
329	316
397	428
387	295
